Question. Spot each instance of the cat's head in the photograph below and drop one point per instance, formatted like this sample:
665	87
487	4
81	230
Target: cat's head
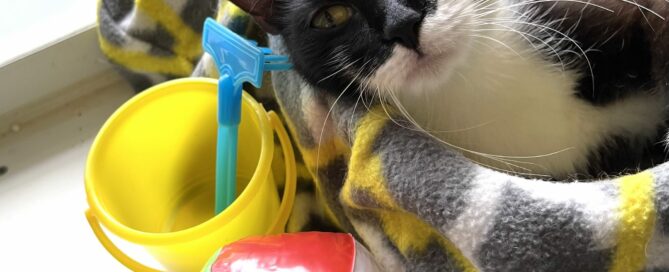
384	45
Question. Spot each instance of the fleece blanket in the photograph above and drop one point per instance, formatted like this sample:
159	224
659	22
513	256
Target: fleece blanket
415	203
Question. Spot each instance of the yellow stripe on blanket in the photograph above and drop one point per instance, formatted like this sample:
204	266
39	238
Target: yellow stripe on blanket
405	230
365	167
187	41
139	61
637	220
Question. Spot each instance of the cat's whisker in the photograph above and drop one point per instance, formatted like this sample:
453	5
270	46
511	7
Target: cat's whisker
339	71
364	103
355	107
510	161
463	77
508	7
325	121
382	101
644	14
484	44
642	8
327	116
337	57
498	42
546	27
415	126
505	159
485	2
405	114
537	156
612	35
363	90
575	43
368	87
418	128
489	6
525	36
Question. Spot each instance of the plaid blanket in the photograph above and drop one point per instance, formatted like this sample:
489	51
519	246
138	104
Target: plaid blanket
416	204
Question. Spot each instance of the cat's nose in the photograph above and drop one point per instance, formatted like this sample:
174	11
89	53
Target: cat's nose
402	26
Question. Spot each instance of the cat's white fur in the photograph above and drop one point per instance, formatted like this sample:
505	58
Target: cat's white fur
484	88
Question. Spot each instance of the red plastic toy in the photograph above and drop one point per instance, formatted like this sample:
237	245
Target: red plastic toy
307	251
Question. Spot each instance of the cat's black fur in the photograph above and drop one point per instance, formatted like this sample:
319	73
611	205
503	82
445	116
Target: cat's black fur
620	54
364	36
620	47
628	52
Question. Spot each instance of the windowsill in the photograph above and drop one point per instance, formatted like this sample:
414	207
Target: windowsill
27	26
42	74
42	196
56	91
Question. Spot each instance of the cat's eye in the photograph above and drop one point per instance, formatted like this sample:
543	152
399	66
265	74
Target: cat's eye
331	16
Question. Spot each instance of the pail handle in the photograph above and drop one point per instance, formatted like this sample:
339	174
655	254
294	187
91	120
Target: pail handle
121	257
277	227
290	184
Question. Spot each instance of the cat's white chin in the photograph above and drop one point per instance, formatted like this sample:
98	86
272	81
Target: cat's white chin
444	44
409	72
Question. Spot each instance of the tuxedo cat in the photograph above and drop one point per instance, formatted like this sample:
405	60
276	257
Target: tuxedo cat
557	88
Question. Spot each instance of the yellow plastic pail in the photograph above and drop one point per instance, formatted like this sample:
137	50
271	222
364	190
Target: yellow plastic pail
150	176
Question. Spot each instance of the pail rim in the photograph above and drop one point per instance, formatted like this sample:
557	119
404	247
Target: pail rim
260	173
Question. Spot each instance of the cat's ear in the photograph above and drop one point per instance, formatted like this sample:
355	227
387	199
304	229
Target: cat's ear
261	10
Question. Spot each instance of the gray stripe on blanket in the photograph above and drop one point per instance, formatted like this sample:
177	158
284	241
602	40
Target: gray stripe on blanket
290	89
195	11
425	177
109	29
661	175
117	9
347	112
364	199
434	258
659	269
542	235
369	232
332	180
157	39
